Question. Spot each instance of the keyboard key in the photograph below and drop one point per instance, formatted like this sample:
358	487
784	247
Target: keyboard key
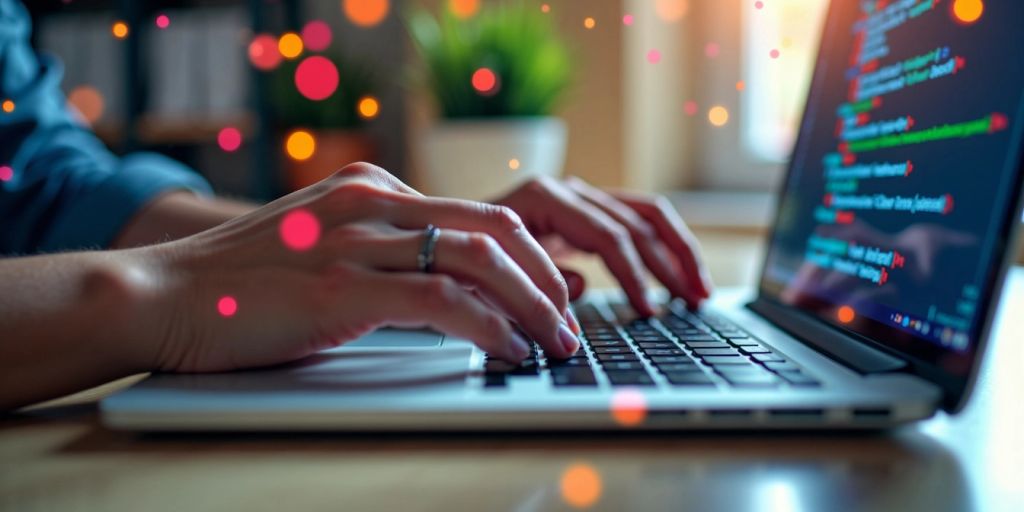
649	337
676	367
623	365
657	344
742	341
607	343
494	380
720	360
696	337
630	378
765	358
498	366
692	378
707	344
613	350
776	366
751	379
797	378
527	367
576	361
746	369
716	352
734	334
657	360
665	352
755	349
577	376
617	357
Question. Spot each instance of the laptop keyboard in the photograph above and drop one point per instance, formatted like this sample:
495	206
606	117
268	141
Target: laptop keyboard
676	349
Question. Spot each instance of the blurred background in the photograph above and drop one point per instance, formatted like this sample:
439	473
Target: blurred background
699	99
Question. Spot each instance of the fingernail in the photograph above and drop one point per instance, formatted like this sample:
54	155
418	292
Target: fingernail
520	347
574	324
569	340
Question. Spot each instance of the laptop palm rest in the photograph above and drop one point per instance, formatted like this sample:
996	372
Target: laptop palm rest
405	338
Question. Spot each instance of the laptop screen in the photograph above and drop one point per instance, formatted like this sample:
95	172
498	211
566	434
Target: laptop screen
893	219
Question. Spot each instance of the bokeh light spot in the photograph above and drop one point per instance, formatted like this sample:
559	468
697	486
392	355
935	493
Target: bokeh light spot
545	8
711	50
299	230
581	485
369	107
485	81
119	29
589	23
227	306
229	138
290	45
300	145
88	101
968	11
513	164
629	407
846	314
7	106
365	13
690	107
653	56
718	115
162	21
263	52
316	78
6	173
464	9
627	20
758	4
671	10
316	35
741	85
774	53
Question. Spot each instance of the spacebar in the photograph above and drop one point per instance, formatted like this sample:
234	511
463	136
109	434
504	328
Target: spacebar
573	376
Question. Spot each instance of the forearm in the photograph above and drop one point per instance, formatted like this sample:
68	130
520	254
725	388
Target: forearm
67	323
176	215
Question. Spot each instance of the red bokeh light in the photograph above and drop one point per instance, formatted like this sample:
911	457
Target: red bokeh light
263	52
227	306
229	139
485	81
299	230
316	77
316	35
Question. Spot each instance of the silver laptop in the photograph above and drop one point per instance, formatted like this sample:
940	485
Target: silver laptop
884	266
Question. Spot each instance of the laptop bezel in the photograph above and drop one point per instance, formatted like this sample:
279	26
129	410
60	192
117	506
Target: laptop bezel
956	387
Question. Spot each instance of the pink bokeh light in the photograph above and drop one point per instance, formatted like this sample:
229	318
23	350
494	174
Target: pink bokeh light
227	306
316	77
758	4
229	139
774	53
6	173
690	107
316	35
627	20
300	230
162	21
711	50
654	56
263	52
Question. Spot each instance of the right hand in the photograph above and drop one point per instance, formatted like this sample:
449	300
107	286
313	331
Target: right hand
361	275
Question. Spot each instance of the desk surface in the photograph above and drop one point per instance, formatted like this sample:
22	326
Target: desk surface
60	458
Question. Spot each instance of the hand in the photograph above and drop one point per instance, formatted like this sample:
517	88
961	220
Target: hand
629	232
361	274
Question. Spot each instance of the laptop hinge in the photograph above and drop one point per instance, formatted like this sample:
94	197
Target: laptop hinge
841	347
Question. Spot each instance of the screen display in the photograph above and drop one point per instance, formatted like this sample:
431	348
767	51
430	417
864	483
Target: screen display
892	219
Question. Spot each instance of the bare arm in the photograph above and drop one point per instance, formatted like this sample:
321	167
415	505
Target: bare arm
176	215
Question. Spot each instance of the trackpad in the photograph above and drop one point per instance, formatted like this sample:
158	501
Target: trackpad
420	338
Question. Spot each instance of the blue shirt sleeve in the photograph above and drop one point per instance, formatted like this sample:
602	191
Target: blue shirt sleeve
64	190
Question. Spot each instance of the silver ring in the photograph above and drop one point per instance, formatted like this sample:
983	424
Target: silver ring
425	259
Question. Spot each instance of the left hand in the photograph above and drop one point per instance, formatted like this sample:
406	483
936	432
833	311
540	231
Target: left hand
629	231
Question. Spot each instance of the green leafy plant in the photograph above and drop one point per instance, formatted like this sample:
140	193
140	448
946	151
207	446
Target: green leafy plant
339	111
515	40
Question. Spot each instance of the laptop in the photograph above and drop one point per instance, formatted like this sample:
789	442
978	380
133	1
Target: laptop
884	266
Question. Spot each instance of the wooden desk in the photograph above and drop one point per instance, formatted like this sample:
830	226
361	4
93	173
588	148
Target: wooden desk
62	459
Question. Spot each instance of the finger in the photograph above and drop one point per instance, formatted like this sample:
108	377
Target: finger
577	284
475	259
499	222
374	175
436	301
662	263
590	229
677	236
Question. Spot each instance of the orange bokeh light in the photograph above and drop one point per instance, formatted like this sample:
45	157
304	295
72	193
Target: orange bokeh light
718	115
290	45
741	85
365	13
464	9
513	164
581	485
629	407
846	314
589	23
300	145
7	106
119	29
88	101
968	11
671	10
368	107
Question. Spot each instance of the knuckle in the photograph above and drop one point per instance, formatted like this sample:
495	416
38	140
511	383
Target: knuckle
541	185
614	236
440	292
483	250
354	170
495	325
505	219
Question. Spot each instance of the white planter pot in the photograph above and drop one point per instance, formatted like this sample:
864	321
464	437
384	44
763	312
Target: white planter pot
476	159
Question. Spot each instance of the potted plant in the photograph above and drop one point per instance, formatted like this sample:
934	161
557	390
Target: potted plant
334	122
497	78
